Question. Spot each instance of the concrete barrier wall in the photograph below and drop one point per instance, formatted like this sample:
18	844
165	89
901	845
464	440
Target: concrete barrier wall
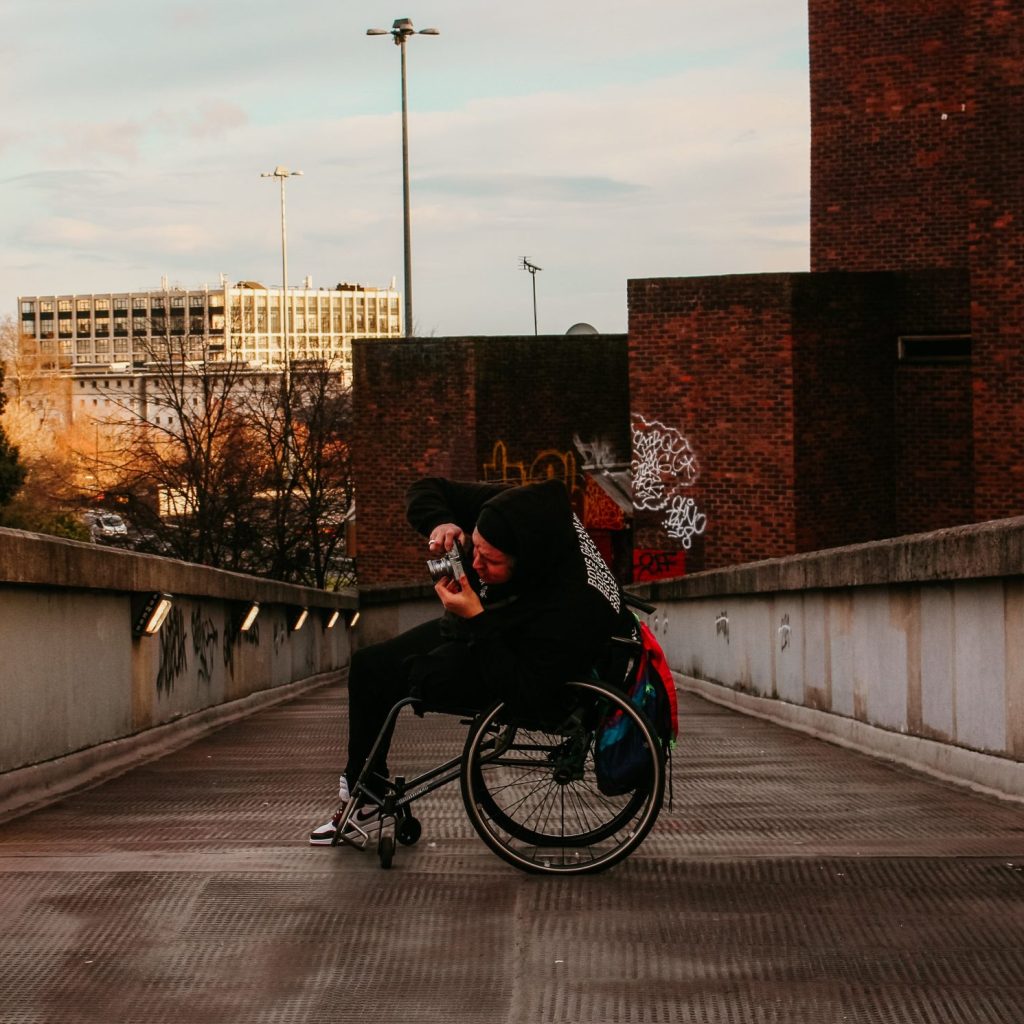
912	648
75	678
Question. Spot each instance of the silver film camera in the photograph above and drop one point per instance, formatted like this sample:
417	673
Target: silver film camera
449	566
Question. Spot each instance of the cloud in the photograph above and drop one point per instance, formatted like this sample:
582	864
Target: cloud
556	188
99	142
624	141
79	234
209	120
69	180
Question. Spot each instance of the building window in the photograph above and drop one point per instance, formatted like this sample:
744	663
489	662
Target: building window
64	305
28	308
121	304
84	306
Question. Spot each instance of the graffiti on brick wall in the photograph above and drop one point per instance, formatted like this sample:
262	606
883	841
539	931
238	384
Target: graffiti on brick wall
549	464
651	564
684	521
600	459
598	454
664	464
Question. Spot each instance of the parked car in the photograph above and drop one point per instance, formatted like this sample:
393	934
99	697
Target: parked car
104	525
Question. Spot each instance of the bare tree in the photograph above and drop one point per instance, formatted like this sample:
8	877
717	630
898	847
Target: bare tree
186	457
303	420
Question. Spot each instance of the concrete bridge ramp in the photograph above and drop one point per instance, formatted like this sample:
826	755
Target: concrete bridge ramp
791	882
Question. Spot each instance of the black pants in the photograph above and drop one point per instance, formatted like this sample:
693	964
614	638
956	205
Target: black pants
419	660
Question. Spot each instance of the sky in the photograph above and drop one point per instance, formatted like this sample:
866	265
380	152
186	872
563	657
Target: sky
602	141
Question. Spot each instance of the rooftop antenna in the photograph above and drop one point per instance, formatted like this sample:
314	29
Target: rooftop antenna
532	268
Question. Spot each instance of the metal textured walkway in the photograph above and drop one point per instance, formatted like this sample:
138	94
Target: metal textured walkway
792	882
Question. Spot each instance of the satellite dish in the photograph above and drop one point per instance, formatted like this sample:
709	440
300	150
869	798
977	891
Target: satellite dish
582	329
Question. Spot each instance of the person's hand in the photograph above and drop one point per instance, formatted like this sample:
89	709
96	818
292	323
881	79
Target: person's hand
459	599
444	536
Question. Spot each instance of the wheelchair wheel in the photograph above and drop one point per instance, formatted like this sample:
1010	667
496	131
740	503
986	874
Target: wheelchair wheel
408	830
532	791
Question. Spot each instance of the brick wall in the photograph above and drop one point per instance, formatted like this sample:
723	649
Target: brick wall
997	257
843	363
787	389
933	443
415	408
891	125
917	161
535	396
712	359
474	409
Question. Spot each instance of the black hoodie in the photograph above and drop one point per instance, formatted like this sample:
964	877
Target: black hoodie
551	622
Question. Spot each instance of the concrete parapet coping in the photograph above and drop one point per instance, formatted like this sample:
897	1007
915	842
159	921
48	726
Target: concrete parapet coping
975	551
394	593
37	560
983	773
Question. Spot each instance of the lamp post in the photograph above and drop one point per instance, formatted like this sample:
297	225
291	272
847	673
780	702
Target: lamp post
283	174
400	32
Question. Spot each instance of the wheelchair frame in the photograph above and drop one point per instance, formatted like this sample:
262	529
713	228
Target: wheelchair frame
532	788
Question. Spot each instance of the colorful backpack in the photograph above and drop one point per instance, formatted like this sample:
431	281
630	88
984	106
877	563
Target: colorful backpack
619	749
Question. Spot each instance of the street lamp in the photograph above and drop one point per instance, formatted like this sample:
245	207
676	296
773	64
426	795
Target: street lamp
283	174
400	31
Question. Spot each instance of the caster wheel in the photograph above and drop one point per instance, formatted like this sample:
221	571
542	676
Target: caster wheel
386	850
409	831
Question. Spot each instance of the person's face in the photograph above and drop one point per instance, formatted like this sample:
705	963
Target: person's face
491	565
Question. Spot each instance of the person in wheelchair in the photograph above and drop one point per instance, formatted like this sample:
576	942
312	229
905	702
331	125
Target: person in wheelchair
537	606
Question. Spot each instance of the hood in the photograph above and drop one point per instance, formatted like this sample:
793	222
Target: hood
539	518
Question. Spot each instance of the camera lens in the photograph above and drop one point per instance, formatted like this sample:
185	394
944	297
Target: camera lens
440	568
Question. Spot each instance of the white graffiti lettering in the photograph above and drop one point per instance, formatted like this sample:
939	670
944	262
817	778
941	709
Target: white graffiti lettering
663	463
597	454
684	520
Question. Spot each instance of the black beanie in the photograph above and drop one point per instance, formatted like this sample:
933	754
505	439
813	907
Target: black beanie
496	530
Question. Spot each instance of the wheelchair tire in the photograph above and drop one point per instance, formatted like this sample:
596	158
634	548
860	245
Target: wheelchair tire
386	850
532	793
408	831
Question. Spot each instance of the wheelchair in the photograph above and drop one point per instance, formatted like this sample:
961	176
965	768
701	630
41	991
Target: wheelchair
531	783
